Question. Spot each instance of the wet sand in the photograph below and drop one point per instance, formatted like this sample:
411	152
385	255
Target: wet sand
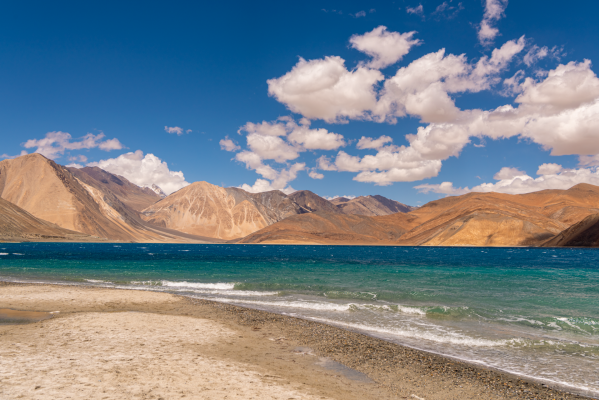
130	344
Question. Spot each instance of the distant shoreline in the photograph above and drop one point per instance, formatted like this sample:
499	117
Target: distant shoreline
397	369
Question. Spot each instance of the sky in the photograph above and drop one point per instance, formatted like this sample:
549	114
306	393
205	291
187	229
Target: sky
412	100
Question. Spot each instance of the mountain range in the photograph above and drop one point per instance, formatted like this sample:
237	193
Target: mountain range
42	200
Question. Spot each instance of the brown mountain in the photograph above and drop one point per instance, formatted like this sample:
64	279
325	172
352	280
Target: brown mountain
130	194
582	234
370	205
474	219
52	193
325	228
17	224
224	213
312	202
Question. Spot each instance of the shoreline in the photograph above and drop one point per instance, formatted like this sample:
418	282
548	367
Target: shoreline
397	370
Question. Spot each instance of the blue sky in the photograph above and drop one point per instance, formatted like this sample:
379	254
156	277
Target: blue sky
127	71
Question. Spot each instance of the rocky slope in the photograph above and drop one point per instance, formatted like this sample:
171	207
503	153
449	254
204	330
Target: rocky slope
224	213
311	202
582	234
17	224
326	228
52	193
133	196
370	205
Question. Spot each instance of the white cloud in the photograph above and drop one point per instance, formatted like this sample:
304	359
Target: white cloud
315	175
281	140
444	10
558	109
144	170
80	157
316	139
228	145
549	169
336	197
74	165
535	54
110	144
442	188
415	10
589	161
23	153
494	11
55	143
552	177
360	14
325	89
278	180
271	148
386	48
508	173
422	88
370	143
174	129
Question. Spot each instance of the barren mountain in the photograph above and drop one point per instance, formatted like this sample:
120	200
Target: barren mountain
496	219
312	202
130	194
225	213
51	192
582	234
370	205
17	224
474	219
325	228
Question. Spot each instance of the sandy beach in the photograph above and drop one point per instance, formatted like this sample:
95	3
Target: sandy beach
133	344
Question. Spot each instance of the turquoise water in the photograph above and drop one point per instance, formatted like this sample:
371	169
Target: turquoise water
534	312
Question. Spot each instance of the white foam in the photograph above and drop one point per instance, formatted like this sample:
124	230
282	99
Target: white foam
3	254
197	285
294	304
95	281
18	254
447	337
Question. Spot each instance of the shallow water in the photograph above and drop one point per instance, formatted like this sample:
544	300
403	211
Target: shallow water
533	312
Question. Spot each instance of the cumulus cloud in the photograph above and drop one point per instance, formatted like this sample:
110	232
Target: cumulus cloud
326	89
278	180
549	169
422	88
228	145
552	176
174	129
558	109
494	11
315	174
386	48
55	143
336	197
281	140
508	173
144	171
360	14
419	10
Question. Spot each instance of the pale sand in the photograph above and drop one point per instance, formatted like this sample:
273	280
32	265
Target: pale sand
140	355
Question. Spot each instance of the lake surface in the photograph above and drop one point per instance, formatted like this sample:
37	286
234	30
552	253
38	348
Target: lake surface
529	311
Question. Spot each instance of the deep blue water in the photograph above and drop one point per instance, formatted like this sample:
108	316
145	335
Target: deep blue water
530	311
